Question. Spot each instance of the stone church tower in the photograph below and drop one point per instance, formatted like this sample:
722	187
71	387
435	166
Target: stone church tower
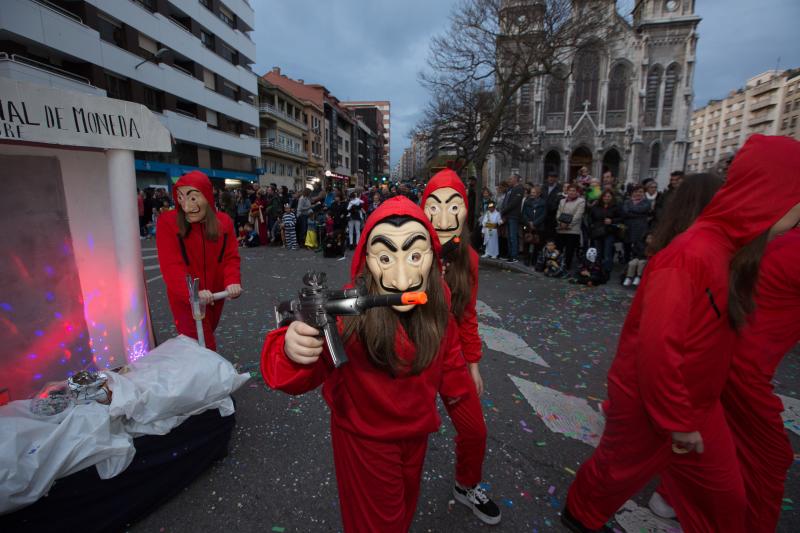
623	104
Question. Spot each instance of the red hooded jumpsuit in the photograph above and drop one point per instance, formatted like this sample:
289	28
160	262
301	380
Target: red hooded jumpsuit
674	354
467	415
216	263
752	409
379	423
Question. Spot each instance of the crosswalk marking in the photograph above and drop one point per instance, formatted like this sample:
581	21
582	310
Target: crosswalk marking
791	413
155	278
150	257
484	310
501	340
151	267
149	249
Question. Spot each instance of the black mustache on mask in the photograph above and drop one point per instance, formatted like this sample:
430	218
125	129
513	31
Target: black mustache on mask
453	228
413	288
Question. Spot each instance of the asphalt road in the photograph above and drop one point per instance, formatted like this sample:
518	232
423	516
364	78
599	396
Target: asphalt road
279	474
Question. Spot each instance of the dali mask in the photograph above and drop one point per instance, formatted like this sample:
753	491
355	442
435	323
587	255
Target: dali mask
400	258
193	203
446	210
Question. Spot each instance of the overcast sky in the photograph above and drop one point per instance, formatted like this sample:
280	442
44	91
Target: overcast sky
373	49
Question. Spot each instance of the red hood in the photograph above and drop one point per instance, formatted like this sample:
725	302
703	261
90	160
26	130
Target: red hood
396	206
445	178
199	181
763	184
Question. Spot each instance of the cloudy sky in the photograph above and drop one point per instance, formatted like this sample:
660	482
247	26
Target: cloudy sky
373	49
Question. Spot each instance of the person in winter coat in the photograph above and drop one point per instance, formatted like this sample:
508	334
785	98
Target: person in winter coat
510	211
195	239
534	216
604	219
636	213
383	400
663	414
444	203
303	213
752	409
569	217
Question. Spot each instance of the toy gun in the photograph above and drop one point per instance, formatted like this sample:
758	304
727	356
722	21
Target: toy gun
449	248
198	307
319	306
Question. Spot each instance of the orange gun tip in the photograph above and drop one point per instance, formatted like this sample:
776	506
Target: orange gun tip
418	298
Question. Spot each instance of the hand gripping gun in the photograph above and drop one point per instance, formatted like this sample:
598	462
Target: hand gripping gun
199	308
319	306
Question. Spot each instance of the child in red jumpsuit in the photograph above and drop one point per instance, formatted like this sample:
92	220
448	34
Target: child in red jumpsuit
751	407
383	400
445	203
664	414
195	239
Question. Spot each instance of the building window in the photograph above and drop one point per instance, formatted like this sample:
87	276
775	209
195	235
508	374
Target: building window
184	65
149	5
617	88
153	99
655	155
652	92
282	169
207	39
187	108
671	80
227	16
228	53
118	88
205	3
110	30
187	154
290	170
346	146
211	118
587	79
209	79
148	44
229	89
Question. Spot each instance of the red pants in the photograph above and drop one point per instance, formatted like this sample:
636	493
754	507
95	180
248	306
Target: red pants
765	453
706	489
182	313
467	417
378	481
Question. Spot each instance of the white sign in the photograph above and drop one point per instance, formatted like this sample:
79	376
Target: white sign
35	113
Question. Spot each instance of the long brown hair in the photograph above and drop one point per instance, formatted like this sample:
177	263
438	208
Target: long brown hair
743	280
425	326
458	276
210	223
682	208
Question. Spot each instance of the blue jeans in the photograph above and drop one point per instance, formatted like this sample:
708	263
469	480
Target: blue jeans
513	238
607	244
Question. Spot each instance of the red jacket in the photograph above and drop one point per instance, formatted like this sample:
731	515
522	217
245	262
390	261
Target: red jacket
216	263
676	344
468	323
363	399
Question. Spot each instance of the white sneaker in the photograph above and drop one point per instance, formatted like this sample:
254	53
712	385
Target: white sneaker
636	281
627	282
660	507
476	499
485	255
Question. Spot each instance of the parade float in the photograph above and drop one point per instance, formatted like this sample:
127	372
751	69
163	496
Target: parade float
93	412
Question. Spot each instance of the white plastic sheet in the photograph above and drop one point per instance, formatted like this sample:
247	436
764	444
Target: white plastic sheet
174	381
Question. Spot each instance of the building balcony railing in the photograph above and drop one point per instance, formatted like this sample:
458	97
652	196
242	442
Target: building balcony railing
763	102
58	9
270	109
49	69
274	145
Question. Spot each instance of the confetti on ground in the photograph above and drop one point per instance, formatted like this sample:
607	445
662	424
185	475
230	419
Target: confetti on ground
791	413
561	413
484	310
278	529
504	341
635	519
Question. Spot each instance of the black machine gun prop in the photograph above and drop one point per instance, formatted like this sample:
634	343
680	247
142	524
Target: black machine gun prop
449	249
319	306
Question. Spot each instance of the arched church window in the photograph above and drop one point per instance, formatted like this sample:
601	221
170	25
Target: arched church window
670	84
655	155
617	88
652	94
556	93
587	79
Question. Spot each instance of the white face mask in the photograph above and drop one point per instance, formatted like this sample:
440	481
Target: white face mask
400	258
447	211
193	203
591	255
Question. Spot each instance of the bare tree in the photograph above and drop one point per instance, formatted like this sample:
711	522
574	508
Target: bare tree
492	49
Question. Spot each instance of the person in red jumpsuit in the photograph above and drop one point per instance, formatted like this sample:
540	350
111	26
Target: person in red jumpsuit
444	201
751	407
195	239
664	414
383	400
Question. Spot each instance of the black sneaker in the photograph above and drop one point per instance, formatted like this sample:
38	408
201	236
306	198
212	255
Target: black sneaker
574	525
512	260
476	499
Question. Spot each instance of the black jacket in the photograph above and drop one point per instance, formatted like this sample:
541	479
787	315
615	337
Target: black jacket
512	203
598	214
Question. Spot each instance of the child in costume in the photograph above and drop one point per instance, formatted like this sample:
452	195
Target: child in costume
490	222
383	400
289	228
195	239
445	203
550	261
590	272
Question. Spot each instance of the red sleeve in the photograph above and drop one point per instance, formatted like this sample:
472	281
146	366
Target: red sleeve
666	315
456	381
468	325
281	373
173	267
230	263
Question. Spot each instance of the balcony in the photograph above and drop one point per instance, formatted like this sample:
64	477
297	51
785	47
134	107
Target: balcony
270	109
185	127
269	144
764	102
17	67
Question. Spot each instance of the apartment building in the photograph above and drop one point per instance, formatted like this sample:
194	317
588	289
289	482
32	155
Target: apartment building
284	134
385	108
372	117
768	103
189	61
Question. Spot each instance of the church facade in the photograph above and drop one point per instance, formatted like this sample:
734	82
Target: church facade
623	104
